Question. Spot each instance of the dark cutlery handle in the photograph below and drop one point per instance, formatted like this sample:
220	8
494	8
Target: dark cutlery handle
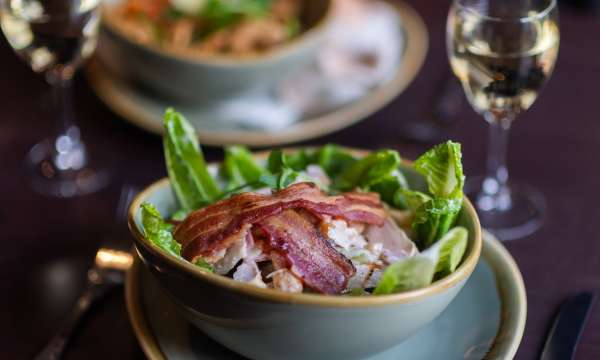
93	292
54	349
567	328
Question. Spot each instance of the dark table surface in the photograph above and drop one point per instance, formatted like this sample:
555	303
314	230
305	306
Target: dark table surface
48	243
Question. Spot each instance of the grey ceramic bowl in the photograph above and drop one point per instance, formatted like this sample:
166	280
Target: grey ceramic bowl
208	79
269	324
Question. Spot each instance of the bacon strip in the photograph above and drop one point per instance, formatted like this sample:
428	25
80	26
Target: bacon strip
309	254
209	230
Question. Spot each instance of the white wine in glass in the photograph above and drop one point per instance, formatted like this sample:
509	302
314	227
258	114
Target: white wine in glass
54	37
503	52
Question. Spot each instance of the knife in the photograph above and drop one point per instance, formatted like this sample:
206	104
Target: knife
567	327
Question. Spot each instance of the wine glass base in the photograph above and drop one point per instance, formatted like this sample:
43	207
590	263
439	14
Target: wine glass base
46	178
524	214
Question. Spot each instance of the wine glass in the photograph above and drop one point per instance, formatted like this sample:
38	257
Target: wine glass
503	52
54	37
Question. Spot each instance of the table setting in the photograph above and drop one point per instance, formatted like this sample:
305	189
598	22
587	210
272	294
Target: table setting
268	179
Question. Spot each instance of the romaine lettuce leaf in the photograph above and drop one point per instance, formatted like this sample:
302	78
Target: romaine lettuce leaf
442	168
333	160
407	274
451	249
388	187
410	199
158	231
368	170
285	168
297	160
240	168
433	219
191	182
358	292
203	264
276	161
222	13
180	215
420	270
280	180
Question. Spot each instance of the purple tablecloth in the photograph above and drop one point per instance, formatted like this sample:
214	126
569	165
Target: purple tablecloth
47	243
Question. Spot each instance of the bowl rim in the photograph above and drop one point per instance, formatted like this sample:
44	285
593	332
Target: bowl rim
463	271
277	53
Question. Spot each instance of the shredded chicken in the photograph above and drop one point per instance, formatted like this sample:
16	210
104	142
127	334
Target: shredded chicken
373	279
360	277
248	272
233	255
284	280
395	243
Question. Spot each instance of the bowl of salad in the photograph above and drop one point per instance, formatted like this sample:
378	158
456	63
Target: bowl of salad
207	50
318	252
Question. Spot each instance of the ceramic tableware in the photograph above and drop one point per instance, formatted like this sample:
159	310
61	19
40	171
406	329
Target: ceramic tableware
268	324
329	101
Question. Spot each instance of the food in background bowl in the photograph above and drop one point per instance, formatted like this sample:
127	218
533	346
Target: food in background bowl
211	50
334	316
209	27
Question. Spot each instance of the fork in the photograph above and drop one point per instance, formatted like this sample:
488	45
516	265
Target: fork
112	260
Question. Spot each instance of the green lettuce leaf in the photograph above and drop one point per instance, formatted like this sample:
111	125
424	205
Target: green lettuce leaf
442	168
333	160
190	179
293	27
433	219
297	160
368	170
420	270
407	274
203	264
285	168
358	292
389	188
180	215
218	14
410	199
158	231
280	180
240	168
451	249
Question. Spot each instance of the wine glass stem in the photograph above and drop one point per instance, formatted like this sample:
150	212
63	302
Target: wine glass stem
69	151
495	193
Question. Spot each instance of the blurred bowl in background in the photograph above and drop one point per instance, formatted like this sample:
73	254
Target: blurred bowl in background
209	78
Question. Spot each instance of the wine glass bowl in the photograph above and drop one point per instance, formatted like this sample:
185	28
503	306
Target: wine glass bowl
503	52
55	37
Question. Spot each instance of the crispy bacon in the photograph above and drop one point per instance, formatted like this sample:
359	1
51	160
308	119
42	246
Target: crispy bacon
211	229
309	255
